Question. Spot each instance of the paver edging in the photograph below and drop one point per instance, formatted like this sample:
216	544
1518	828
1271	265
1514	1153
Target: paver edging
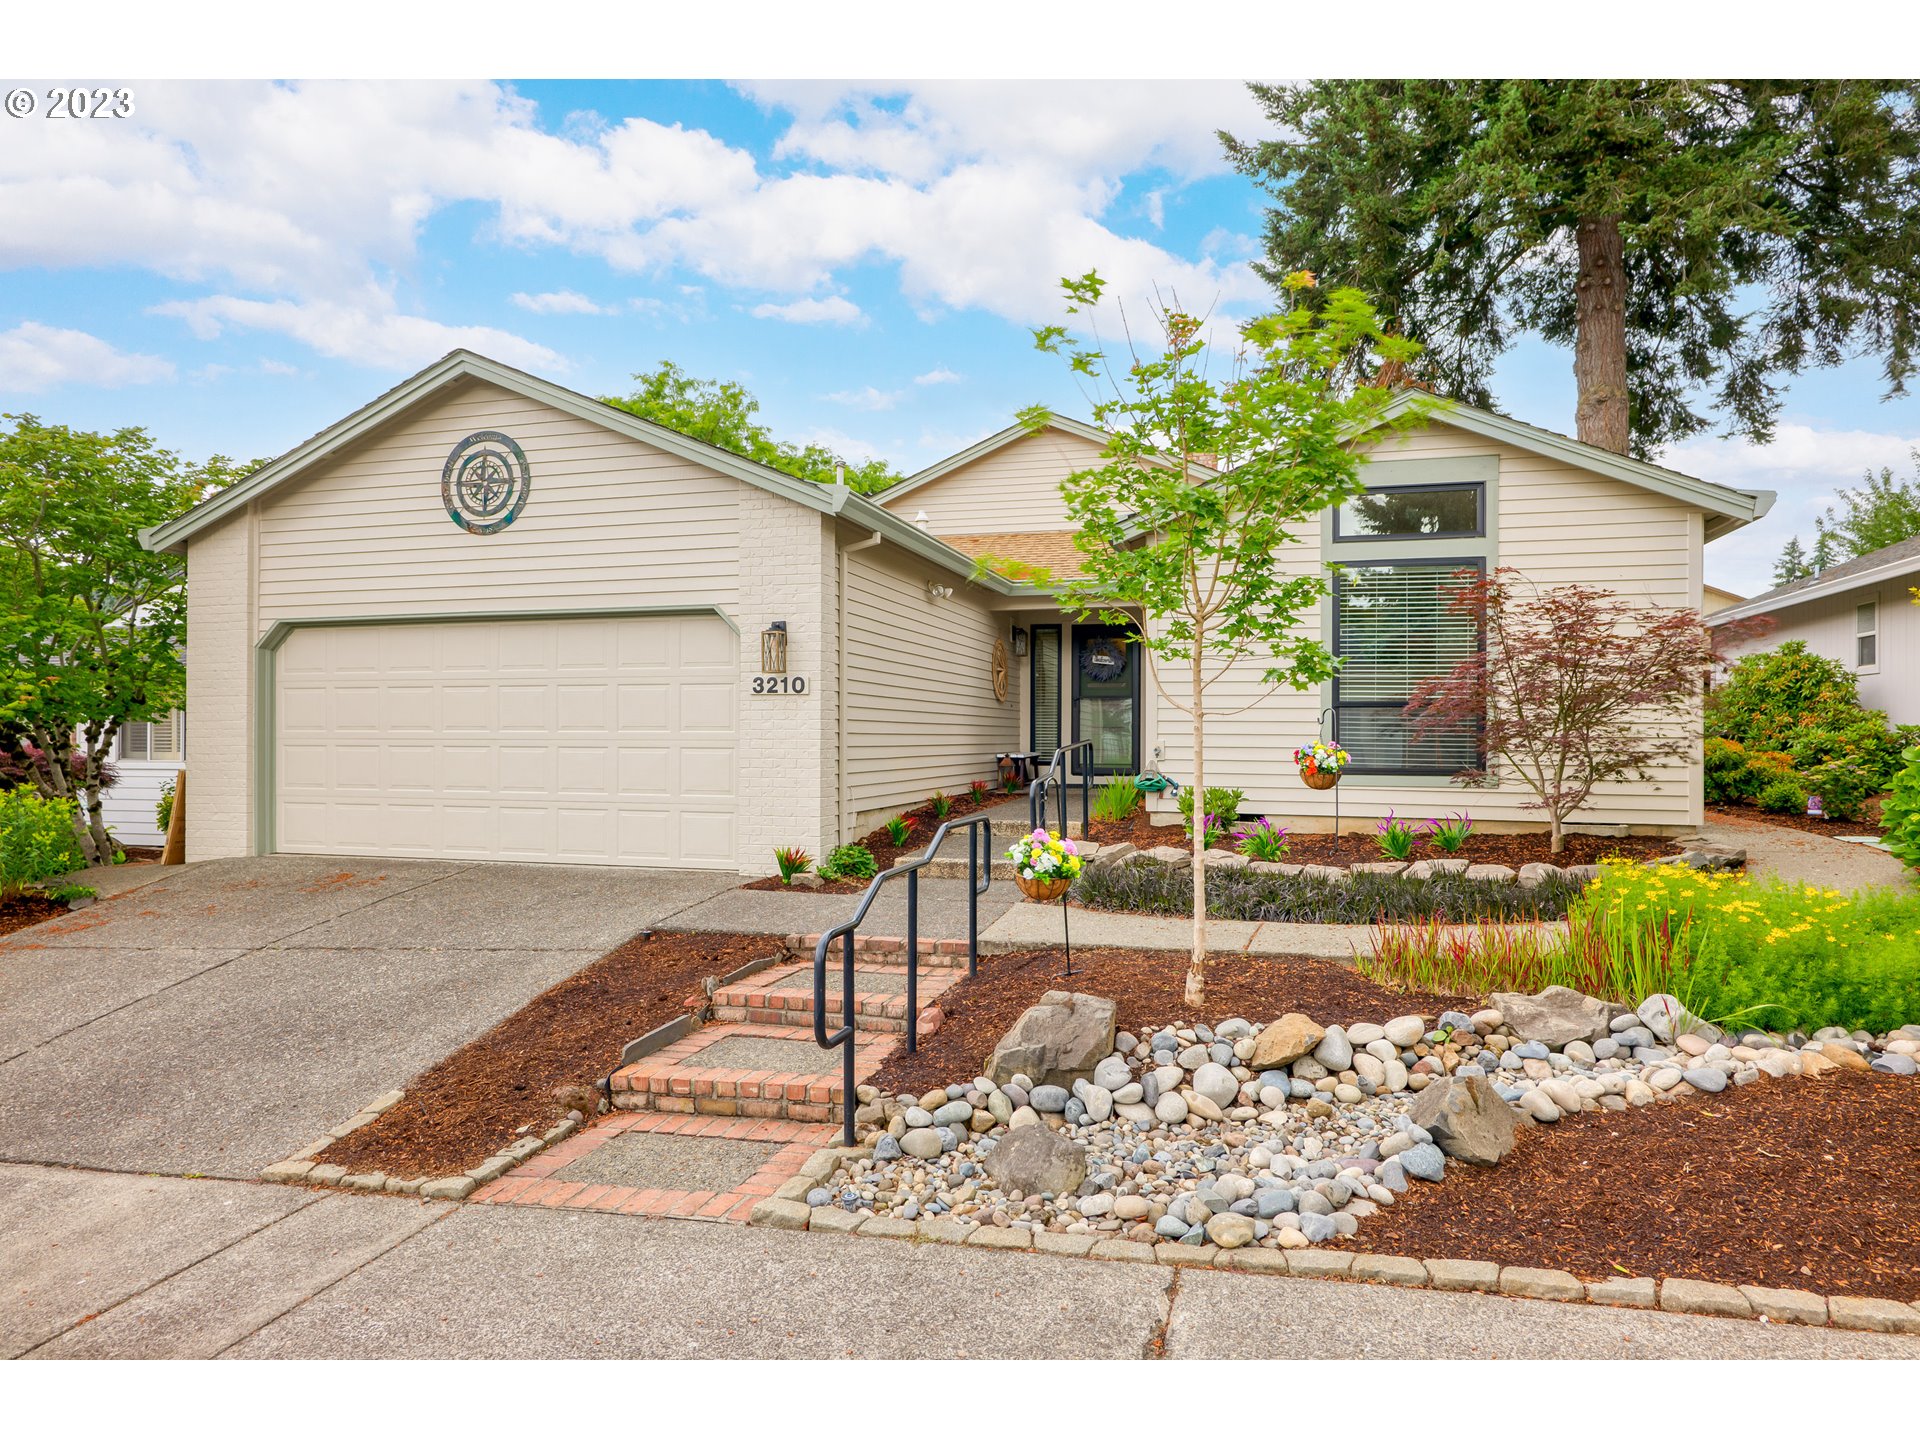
1678	1295
301	1168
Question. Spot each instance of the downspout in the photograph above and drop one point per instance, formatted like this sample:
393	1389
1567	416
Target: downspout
842	820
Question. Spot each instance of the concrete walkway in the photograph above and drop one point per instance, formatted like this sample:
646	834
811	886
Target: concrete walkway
109	1265
1780	852
1033	927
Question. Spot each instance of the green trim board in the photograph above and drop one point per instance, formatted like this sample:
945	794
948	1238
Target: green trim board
266	695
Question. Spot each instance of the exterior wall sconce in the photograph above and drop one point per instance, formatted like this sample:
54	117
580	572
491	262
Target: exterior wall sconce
1019	640
773	649
937	591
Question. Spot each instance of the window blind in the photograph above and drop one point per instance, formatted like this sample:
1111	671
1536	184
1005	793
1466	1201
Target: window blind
1393	628
1046	689
153	739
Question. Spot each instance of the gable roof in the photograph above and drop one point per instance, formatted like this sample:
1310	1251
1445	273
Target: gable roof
1727	509
460	365
999	441
1900	558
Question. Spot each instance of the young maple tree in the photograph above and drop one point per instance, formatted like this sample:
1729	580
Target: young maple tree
1575	687
1205	484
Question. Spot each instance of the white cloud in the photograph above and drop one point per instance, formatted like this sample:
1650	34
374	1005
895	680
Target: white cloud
939	375
846	446
832	310
278	367
368	331
867	398
1806	467
559	302
36	357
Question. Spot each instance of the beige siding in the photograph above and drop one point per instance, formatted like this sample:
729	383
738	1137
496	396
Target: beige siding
1557	525
1827	627
921	714
610	522
1015	488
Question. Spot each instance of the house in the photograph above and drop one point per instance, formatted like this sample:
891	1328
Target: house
487	618
1860	613
147	755
1713	598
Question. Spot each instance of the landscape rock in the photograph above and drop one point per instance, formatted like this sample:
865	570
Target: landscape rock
1287	1039
1466	1119
1057	1041
1556	1016
1036	1160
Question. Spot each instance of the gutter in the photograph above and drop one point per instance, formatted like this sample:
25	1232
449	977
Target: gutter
1859	579
840	817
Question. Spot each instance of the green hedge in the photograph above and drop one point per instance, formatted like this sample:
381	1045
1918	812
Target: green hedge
36	839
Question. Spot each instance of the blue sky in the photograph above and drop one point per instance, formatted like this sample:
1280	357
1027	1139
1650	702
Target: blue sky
242	263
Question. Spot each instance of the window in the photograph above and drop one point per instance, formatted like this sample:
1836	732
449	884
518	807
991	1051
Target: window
1045	674
1412	512
1866	636
156	739
1393	627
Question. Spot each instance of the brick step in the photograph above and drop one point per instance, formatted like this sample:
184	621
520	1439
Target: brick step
877	951
784	996
764	1071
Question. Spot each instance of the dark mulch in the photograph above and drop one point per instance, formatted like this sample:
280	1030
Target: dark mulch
1802	1184
1867	824
478	1099
24	910
1358	849
1148	987
886	854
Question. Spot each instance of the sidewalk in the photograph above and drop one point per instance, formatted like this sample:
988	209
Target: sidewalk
1778	852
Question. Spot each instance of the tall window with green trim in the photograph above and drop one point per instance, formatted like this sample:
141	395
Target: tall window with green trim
1393	627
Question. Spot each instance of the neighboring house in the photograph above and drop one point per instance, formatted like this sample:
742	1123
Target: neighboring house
1860	613
487	618
1713	599
147	754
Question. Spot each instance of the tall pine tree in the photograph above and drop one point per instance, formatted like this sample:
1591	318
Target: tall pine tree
1695	242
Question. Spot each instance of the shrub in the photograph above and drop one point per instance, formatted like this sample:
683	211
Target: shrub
979	789
1844	787
1900	817
1117	798
36	839
1223	806
163	807
1785	796
1730	778
1769	698
941	803
792	861
1866	743
899	828
1146	886
1449	835
849	862
1262	840
1396	838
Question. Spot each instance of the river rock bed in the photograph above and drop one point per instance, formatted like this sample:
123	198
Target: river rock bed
1290	1134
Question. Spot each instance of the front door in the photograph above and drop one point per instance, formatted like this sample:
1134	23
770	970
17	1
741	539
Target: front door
1106	697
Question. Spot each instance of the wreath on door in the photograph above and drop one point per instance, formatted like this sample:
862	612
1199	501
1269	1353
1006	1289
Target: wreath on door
1103	659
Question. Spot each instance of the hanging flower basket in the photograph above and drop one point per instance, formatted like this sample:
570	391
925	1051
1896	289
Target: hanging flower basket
1044	864
1321	765
1042	890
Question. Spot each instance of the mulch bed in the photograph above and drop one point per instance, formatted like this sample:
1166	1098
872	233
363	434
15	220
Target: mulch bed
886	854
24	910
1867	824
1148	988
1802	1183
482	1096
1357	849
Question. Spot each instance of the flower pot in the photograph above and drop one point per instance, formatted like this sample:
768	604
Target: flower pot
1043	890
1321	779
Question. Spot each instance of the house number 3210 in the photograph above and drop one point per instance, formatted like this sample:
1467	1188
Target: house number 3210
779	684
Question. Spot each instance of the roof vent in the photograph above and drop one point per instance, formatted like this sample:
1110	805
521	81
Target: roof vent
920	520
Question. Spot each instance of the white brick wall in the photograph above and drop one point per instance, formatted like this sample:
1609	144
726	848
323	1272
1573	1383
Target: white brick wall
786	741
219	692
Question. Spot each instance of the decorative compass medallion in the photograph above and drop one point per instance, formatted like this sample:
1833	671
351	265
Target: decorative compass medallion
485	482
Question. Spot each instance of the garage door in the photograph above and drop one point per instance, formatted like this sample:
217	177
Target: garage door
592	742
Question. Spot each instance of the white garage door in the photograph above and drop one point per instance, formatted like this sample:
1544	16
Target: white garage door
591	742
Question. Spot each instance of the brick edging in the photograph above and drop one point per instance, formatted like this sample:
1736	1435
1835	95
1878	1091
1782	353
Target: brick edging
788	1210
301	1167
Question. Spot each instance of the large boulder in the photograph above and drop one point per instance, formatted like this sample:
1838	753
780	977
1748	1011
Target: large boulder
1285	1041
1556	1016
1466	1118
1056	1042
1037	1161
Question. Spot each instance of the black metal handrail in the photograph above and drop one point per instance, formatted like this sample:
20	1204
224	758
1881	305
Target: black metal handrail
979	830
1058	776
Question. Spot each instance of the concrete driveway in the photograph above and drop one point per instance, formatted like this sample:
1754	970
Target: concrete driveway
213	1021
